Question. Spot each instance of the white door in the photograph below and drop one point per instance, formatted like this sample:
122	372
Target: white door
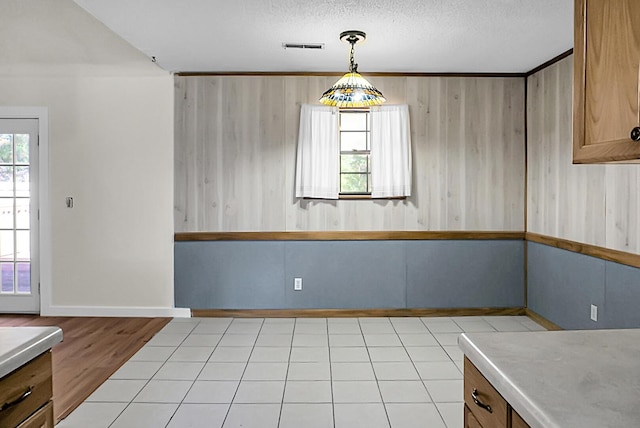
19	276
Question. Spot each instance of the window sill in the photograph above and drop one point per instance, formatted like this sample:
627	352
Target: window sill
359	198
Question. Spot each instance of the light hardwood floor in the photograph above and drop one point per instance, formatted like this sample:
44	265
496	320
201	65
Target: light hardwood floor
91	351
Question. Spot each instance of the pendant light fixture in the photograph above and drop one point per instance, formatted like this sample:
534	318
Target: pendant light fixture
352	90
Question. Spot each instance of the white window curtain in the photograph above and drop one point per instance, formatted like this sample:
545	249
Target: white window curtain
390	151
317	165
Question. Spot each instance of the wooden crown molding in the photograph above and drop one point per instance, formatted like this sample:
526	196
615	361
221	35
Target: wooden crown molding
340	73
549	63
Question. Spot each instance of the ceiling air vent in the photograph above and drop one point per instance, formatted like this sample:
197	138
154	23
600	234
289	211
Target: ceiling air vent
303	45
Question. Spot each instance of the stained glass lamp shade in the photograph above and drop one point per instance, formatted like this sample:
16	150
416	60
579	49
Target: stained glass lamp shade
352	90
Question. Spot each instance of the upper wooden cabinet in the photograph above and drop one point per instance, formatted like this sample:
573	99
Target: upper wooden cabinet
606	103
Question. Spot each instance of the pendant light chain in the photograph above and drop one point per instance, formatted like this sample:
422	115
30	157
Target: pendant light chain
353	67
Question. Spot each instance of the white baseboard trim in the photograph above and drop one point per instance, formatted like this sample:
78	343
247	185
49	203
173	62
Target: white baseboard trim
106	311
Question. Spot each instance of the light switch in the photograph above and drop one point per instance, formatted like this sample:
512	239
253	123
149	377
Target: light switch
69	202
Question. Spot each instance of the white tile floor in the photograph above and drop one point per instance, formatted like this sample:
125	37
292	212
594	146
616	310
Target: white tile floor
292	373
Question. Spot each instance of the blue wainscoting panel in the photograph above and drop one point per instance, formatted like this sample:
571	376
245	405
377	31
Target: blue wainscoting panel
349	274
465	274
229	274
346	274
621	297
562	285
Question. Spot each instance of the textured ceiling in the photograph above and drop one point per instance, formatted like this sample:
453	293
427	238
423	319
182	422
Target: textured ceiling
402	35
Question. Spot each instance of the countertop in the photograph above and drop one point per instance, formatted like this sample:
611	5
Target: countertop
19	345
563	379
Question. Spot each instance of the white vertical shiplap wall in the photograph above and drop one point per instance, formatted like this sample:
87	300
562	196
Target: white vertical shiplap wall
235	151
592	204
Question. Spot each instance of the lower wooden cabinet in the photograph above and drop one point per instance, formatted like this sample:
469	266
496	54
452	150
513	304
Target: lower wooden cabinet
484	406
26	395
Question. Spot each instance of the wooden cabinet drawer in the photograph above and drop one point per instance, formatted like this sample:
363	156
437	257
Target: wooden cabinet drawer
25	390
497	414
43	418
517	421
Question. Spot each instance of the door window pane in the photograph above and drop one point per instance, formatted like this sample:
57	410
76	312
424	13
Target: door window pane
6	148
22	181
7	277
6	181
22	148
6	245
23	245
22	213
6	213
24	277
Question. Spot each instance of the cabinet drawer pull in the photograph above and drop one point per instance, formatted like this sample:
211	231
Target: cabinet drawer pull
479	403
635	133
18	400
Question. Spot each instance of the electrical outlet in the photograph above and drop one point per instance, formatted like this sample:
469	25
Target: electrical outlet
594	313
297	284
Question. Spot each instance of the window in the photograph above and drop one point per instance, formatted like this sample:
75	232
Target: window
355	152
15	214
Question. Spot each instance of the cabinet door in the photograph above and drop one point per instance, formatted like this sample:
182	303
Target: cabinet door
469	420
25	390
43	418
606	76
483	400
517	421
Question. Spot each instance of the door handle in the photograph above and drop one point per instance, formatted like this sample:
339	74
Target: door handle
18	400
479	403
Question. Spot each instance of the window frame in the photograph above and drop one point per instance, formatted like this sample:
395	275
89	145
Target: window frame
366	152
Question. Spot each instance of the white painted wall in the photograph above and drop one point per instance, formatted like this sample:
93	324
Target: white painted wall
111	148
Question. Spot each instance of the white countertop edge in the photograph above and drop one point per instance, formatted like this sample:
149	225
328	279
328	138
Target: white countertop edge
34	346
522	404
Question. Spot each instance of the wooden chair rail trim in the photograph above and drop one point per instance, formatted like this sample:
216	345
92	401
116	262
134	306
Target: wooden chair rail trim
347	236
617	256
349	313
542	320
